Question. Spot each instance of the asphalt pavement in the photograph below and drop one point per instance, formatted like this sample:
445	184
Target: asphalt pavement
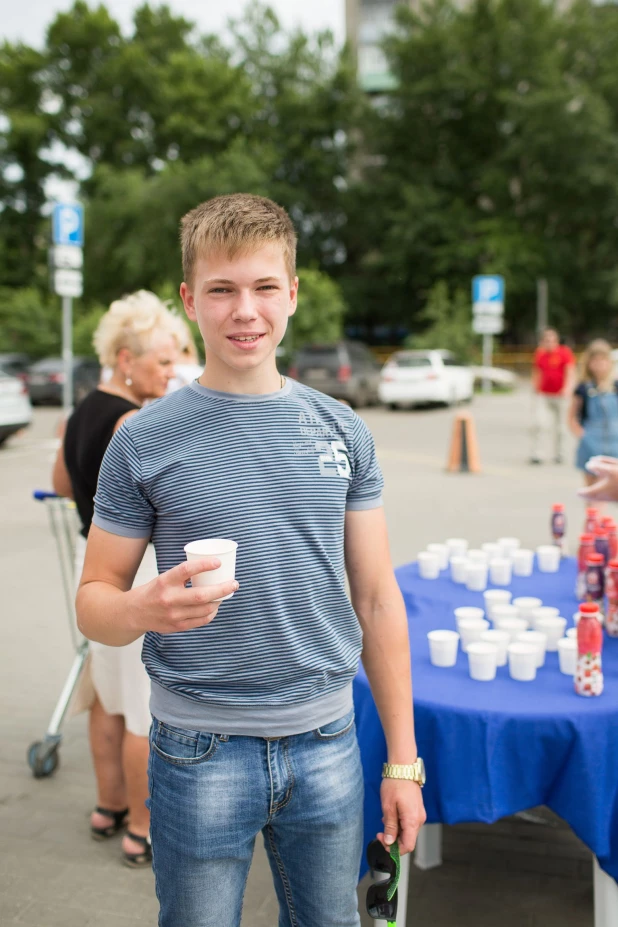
517	872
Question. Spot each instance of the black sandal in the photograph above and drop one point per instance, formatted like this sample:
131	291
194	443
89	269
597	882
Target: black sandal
137	860
119	818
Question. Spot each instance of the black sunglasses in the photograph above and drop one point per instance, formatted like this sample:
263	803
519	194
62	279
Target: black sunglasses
382	896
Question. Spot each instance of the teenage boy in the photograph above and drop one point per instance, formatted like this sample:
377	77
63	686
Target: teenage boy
253	723
553	379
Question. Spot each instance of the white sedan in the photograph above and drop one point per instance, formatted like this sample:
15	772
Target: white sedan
414	377
15	407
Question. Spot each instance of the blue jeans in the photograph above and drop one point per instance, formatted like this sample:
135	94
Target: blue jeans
211	794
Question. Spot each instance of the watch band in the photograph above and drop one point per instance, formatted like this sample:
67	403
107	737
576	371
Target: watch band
412	772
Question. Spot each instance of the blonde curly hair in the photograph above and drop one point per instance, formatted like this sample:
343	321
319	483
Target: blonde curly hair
133	322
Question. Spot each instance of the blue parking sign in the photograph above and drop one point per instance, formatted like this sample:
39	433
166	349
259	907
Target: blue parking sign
488	288
68	224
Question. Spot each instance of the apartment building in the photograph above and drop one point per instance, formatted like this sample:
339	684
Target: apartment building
367	21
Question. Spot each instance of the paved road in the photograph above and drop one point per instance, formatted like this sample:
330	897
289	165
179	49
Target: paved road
52	875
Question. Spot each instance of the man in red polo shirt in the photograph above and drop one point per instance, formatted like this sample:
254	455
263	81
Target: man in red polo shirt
553	379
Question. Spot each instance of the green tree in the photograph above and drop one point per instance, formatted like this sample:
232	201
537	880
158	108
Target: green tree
448	321
320	311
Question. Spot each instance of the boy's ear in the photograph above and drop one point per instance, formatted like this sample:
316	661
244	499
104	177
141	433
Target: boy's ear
293	297
188	301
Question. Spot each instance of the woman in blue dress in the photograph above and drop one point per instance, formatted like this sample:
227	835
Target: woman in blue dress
593	414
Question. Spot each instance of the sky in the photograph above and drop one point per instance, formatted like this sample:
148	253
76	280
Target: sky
28	21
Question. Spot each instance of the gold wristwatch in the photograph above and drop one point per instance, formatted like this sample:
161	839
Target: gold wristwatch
415	772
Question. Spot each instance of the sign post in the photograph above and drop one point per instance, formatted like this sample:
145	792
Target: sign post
487	314
67	260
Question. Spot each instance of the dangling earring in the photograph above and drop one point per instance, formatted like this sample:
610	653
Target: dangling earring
128	381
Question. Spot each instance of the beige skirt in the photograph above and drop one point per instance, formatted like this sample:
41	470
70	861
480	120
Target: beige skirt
116	675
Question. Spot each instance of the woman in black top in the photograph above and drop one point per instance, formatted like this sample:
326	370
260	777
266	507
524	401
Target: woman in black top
138	339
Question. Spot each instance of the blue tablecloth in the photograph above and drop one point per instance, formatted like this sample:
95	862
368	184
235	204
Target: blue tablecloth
494	748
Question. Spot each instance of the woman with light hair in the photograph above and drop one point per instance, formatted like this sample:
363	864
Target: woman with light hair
593	414
138	339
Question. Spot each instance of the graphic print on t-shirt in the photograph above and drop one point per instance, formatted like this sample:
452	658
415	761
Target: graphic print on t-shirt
332	456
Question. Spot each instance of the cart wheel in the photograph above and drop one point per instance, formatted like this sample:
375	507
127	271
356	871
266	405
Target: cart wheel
43	759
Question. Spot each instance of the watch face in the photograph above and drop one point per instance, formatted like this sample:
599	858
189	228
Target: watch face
421	769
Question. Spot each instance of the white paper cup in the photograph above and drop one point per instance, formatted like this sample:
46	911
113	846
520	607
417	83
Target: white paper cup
478	556
567	655
548	558
500	640
468	612
224	550
554	628
428	565
501	611
458	569
508	546
457	547
482	661
476	576
442	551
470	630
492	550
443	647
494	597
527	605
523	562
522	661
545	611
500	571
512	626
571	634
538	640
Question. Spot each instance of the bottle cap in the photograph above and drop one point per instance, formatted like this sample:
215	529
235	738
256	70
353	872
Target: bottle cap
601	533
596	558
588	608
613	564
591	510
586	539
609	524
558	507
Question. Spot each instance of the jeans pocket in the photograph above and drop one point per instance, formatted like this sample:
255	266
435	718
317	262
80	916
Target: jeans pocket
183	748
337	728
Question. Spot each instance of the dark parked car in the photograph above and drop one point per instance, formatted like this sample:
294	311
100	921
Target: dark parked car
16	365
46	379
346	370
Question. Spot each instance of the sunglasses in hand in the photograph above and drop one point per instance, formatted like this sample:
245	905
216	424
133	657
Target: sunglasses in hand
382	896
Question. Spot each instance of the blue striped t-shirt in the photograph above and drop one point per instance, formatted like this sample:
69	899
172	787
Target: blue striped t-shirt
276	473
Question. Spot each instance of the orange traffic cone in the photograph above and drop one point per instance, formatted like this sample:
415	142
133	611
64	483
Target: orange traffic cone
464	454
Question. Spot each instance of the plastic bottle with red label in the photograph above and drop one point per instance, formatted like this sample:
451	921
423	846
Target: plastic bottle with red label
601	544
609	526
592	519
558	526
586	547
588	678
611	591
595	579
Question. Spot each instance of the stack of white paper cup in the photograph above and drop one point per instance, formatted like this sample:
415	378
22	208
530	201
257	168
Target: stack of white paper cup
545	611
476	576
500	571
495	597
221	548
478	556
459	566
522	661
470	630
508	546
512	626
571	634
527	605
536	639
468	612
442	553
443	647
548	558
523	562
553	628
428	565
482	661
500	640
501	611
567	655
492	550
457	547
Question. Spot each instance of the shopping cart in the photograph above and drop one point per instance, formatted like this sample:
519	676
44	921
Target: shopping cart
43	754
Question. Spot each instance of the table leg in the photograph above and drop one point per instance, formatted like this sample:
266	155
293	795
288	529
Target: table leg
428	853
402	891
605	898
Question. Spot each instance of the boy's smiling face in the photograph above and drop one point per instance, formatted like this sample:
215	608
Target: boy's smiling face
241	306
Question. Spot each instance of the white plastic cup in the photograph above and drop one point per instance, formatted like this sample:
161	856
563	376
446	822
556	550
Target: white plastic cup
457	547
494	597
442	551
548	558
571	634
500	612
522	661
512	626
478	556
538	640
554	628
545	611
492	550
567	655
500	571
482	661
523	562
458	569
476	576
224	550
500	640
428	565
470	630
443	647
468	612
508	546
527	605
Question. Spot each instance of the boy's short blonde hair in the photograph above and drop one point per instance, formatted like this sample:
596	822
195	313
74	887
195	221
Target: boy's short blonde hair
235	224
133	322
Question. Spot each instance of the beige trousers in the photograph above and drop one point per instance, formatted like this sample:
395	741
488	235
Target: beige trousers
548	418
